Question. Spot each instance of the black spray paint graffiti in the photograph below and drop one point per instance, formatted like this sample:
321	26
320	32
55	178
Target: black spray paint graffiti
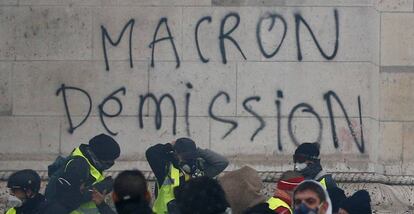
303	107
225	35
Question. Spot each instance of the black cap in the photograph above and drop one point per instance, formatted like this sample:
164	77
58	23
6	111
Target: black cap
24	179
309	151
358	203
186	148
104	147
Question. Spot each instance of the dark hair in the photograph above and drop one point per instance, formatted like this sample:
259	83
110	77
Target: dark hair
130	184
311	186
202	195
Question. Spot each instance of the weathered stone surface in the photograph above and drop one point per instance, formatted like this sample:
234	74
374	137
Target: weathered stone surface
391	141
36	83
207	80
171	3
408	148
8	2
358	38
264	153
113	19
396	39
53	33
395	5
308	83
28	138
8	25
397	97
133	140
291	2
5	88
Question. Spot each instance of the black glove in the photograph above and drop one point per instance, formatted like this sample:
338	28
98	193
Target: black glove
105	185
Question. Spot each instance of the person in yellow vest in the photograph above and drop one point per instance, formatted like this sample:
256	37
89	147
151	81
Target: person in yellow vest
24	195
281	202
308	163
97	156
176	162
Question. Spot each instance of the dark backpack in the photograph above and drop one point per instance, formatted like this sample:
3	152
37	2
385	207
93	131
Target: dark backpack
54	171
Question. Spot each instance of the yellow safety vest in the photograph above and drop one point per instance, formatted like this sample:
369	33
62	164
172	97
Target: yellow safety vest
323	183
88	207
11	211
275	203
166	191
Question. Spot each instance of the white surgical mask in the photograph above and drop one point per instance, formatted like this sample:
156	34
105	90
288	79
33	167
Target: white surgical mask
13	201
300	166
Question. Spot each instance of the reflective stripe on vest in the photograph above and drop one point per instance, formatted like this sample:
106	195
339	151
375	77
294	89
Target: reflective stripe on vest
323	183
166	192
275	203
88	207
11	211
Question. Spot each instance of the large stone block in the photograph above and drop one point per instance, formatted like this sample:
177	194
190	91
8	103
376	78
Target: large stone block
36	84
133	140
8	25
391	142
395	5
146	21
396	39
209	34
358	35
308	83
54	33
396	95
291	2
264	150
29	138
207	81
5	88
8	2
408	148
69	2
172	3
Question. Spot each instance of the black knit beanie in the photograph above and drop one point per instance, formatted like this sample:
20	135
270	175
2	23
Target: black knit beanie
104	147
186	148
310	150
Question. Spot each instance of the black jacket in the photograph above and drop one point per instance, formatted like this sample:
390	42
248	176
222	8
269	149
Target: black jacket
262	208
160	156
132	207
32	206
69	197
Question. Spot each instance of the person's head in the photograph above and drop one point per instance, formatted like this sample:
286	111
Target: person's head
130	186
358	203
23	185
288	181
243	188
306	154
310	197
106	150
202	195
188	158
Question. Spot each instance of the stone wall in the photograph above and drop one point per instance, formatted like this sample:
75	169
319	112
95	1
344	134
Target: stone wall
249	79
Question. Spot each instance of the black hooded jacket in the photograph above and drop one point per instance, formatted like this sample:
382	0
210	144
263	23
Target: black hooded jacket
32	206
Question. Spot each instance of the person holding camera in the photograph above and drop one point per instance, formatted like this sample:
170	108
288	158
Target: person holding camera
77	182
177	162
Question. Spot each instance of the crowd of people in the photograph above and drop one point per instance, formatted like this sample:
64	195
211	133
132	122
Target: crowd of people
188	180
